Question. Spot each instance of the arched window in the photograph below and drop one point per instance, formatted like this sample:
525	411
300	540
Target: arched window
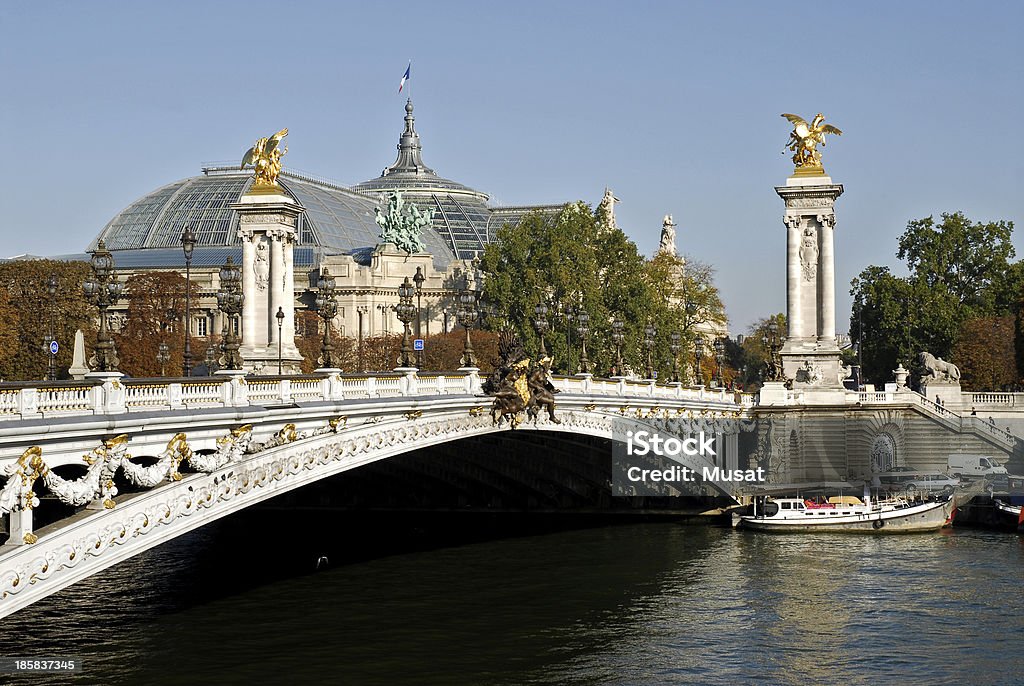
883	453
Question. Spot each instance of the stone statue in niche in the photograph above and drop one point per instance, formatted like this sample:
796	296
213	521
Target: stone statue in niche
261	266
809	254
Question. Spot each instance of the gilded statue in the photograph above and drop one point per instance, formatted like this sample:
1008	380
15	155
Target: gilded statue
265	158
805	138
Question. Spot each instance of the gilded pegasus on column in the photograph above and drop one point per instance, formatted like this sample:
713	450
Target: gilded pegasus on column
804	140
265	158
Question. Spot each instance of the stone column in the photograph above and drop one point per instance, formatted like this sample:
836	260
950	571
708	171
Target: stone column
248	286
826	270
810	356
794	317
276	287
268	218
289	294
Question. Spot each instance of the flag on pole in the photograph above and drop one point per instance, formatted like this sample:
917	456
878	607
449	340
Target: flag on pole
404	78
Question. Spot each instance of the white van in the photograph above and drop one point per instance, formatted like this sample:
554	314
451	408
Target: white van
974	465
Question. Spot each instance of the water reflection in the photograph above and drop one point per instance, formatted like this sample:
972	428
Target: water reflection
638	604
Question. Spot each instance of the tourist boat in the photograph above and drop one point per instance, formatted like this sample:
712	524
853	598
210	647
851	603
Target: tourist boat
846	514
990	513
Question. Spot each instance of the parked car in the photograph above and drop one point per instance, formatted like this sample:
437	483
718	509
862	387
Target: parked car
930	482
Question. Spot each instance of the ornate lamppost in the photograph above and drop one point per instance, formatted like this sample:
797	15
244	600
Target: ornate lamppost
188	244
719	345
649	333
583	328
675	347
466	315
698	355
770	339
280	328
229	300
541	326
405	312
51	362
418	279
102	291
618	337
327	307
211	360
163	356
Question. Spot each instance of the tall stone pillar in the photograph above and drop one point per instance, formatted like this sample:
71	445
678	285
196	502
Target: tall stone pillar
810	354
267	222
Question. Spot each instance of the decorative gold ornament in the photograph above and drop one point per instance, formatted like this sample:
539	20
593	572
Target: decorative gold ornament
803	142
265	158
29	539
476	411
589	408
413	414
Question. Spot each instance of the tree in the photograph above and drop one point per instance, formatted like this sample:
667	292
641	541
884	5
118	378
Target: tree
751	358
26	318
985	353
959	270
570	262
156	310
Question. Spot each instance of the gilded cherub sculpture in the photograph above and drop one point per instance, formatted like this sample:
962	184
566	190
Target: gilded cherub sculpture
804	140
265	158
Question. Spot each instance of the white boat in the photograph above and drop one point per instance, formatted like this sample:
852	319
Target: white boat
847	514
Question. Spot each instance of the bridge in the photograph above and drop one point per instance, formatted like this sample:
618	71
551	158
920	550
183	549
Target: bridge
195	450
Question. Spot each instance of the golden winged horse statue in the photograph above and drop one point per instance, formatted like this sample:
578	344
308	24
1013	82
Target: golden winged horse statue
265	158
804	140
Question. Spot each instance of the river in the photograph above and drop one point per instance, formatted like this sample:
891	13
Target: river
414	602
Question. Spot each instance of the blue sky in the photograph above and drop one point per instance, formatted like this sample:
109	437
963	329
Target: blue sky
674	105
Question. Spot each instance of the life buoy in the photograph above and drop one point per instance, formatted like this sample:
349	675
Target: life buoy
877	524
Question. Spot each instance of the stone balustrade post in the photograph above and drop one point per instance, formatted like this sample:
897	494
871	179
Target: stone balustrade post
19	524
174	396
113	397
442	389
28	402
371	387
285	388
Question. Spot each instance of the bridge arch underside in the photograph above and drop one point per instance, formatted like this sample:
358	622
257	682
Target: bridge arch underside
509	471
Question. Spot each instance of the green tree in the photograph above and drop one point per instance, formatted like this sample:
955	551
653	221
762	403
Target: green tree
572	263
26	319
959	270
751	358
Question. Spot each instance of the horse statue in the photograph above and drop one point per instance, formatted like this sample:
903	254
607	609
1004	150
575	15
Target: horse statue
938	369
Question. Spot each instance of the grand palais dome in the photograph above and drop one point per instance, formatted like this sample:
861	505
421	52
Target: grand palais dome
337	220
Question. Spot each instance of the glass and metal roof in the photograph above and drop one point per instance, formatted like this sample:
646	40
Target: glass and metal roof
337	220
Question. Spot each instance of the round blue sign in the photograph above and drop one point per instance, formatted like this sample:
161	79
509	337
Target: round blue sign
54	347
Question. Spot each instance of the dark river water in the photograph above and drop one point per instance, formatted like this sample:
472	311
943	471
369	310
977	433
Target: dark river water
241	602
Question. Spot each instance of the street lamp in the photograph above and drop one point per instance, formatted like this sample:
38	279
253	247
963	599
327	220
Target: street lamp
51	362
163	356
280	325
618	336
229	300
583	328
649	333
419	278
102	291
466	315
674	347
188	244
327	308
405	312
773	368
698	355
541	326
719	346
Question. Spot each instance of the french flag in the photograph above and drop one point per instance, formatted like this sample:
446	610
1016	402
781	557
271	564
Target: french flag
404	78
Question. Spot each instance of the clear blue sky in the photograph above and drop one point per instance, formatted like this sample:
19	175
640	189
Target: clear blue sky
674	105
